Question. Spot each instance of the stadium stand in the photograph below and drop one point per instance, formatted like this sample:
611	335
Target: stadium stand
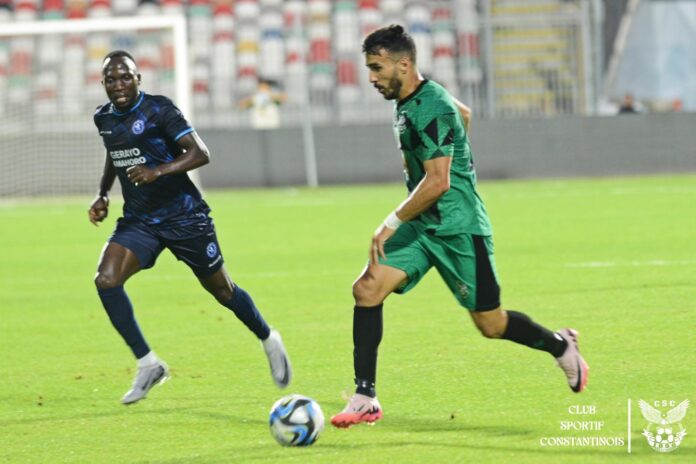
536	65
310	47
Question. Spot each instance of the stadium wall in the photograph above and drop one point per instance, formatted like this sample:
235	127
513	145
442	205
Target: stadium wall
522	148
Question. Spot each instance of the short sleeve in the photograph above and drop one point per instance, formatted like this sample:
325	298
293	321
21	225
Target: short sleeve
173	122
95	117
437	137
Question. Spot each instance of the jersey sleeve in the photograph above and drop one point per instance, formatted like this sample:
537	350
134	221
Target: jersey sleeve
437	136
95	118
172	121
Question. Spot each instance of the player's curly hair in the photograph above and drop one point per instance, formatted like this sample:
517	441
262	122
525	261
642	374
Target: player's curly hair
393	39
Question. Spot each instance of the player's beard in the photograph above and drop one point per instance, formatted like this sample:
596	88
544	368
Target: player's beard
392	90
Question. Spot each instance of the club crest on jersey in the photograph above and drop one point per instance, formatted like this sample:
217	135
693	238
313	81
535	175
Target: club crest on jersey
665	431
211	249
401	123
138	127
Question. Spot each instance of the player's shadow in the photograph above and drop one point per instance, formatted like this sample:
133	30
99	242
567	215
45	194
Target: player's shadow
411	424
468	441
102	411
228	418
467	444
52	416
210	415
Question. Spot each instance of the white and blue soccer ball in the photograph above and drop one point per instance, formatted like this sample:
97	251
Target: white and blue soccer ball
296	420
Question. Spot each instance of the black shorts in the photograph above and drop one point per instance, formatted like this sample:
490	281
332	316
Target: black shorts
201	252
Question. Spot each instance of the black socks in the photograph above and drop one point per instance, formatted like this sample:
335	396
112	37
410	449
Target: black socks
521	329
367	334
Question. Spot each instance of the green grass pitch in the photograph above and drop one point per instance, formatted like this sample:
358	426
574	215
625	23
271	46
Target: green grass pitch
614	258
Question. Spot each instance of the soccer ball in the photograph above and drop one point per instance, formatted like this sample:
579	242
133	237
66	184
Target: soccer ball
296	420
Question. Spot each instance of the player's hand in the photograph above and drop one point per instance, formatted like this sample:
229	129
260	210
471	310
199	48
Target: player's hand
382	234
98	210
141	174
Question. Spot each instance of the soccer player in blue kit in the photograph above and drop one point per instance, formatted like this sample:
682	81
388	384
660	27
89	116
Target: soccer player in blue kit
150	147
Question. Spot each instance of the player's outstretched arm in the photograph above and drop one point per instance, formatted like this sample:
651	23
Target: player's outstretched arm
435	183
99	208
194	154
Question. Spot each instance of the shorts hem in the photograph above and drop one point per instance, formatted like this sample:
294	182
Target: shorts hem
410	275
208	271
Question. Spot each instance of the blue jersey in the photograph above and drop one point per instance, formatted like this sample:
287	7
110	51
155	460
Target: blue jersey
147	134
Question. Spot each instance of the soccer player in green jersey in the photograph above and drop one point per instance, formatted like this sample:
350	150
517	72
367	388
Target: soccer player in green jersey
443	223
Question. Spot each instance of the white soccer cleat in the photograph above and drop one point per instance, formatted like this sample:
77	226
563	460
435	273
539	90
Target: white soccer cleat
146	378
360	408
572	363
281	371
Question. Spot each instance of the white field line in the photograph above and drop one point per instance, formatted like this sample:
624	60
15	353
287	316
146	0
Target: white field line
649	263
560	192
261	275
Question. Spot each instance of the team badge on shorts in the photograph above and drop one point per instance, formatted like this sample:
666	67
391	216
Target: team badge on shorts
138	127
211	249
463	289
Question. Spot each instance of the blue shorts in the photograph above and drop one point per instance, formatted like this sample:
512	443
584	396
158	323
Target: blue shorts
201	253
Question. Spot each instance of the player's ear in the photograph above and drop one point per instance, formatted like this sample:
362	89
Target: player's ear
139	78
404	64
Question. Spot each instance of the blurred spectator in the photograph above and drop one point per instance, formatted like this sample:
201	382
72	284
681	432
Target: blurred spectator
628	105
264	105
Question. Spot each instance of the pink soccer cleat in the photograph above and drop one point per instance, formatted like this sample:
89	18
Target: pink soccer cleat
360	408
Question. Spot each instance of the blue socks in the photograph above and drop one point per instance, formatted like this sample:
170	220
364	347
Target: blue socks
120	311
244	308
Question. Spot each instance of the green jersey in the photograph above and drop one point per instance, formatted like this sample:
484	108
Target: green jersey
428	125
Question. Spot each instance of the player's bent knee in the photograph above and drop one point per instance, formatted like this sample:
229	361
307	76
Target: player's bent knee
104	280
491	328
222	295
366	292
219	285
491	324
490	331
